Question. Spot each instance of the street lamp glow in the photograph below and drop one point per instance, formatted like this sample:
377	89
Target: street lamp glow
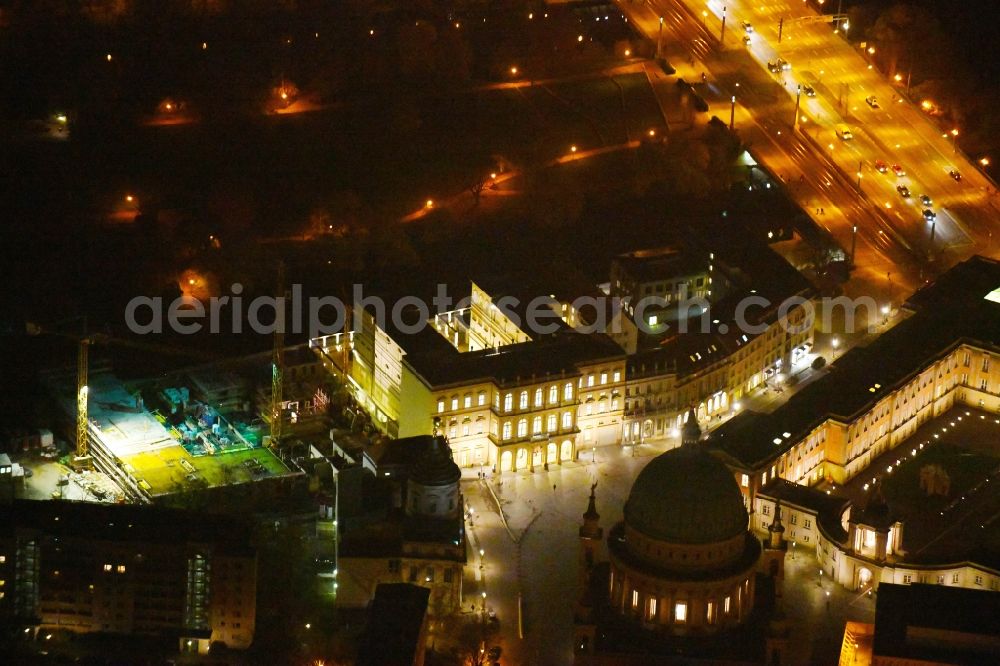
871	50
835	342
954	132
579	38
484	595
572	149
653	133
628	52
885	309
513	71
481	552
429	203
898	78
985	161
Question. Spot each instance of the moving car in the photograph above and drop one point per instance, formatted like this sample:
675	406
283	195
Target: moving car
844	132
929	215
898	170
809	91
926	200
785	65
778	66
881	166
904	191
747	27
746	40
955	174
872	101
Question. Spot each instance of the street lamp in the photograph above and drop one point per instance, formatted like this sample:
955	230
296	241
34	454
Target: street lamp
854	241
732	112
798	96
835	343
659	39
722	35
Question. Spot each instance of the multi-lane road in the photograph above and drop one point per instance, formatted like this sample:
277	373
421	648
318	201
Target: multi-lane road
834	180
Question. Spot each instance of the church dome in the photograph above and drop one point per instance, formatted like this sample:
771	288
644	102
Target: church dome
435	466
686	496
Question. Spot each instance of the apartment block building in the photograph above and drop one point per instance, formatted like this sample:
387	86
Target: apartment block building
127	570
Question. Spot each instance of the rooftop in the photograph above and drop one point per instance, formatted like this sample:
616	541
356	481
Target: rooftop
123	522
946	313
937	623
395	625
552	355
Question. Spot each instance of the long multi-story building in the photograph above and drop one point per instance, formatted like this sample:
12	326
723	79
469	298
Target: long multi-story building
944	352
117	569
758	332
505	400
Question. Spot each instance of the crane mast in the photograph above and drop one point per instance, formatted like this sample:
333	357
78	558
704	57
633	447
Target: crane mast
82	390
278	367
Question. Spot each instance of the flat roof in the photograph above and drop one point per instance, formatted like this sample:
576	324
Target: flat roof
946	313
937	623
548	356
124	523
395	624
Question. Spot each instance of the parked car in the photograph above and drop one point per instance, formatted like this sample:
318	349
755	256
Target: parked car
747	27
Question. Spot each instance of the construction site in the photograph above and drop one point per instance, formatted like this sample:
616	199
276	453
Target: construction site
154	442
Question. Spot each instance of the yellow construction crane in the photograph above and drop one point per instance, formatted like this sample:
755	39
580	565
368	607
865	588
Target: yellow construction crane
278	368
84	342
82	364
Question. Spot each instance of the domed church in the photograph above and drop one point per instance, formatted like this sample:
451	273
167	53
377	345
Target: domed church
682	562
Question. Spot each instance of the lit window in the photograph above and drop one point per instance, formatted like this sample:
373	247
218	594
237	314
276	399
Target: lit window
590	380
681	612
710	613
121	568
440	406
482	398
467	402
604	378
538	397
744	480
567	420
568	391
522	428
553	394
536	425
763	478
3	558
635	598
652	609
465	430
107	567
617	376
870	538
522	403
508	402
725	605
653	320
506	430
454	402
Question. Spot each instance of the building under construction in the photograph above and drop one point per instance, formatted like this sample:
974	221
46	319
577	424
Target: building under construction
156	442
